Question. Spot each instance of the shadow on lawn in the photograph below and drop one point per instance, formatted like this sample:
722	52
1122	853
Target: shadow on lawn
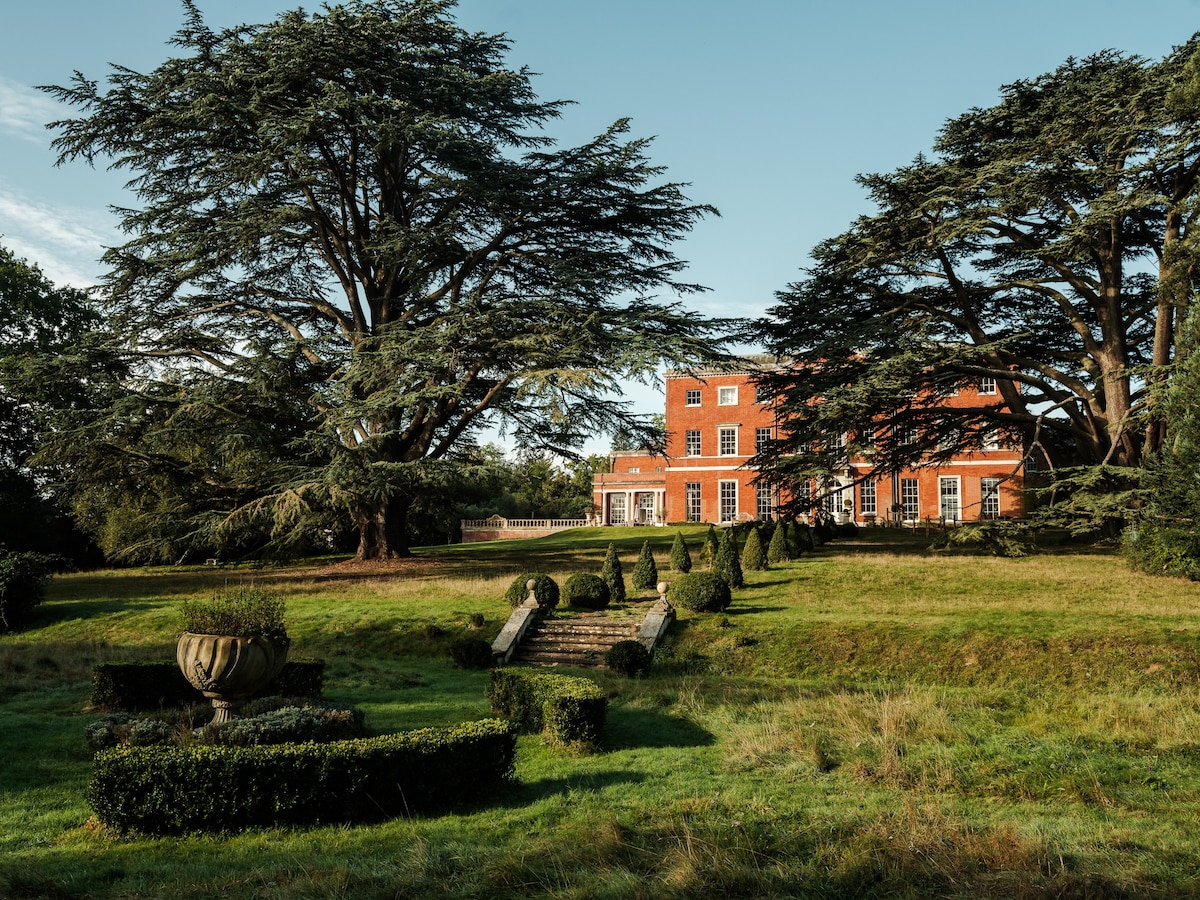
545	788
630	729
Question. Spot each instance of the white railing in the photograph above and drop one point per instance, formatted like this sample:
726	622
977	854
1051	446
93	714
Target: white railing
500	522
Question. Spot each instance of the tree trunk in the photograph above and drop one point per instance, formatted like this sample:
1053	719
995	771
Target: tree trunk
381	531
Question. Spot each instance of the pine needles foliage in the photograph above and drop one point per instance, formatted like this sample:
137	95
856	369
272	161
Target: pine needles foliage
612	575
645	571
754	557
681	557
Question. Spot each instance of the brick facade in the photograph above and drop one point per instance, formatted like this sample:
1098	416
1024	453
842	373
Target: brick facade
714	421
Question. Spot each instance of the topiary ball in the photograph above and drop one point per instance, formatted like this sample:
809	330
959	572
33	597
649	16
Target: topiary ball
545	591
628	658
701	592
585	591
472	653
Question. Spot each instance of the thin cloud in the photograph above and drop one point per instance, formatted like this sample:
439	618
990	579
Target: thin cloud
25	111
65	243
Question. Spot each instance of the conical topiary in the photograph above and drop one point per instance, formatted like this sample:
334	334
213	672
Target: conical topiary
754	557
645	572
681	559
613	576
708	553
778	550
727	565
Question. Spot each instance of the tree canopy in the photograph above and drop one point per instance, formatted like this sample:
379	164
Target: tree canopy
1043	246
353	225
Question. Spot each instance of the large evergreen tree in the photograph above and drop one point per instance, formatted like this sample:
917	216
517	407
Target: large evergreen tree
367	194
1043	247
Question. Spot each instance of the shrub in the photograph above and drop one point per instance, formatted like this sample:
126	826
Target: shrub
586	591
701	592
1164	550
240	612
568	710
288	724
613	576
472	653
172	790
139	686
475	620
727	564
628	658
754	557
778	550
822	532
805	542
23	578
712	544
681	558
845	530
276	724
545	591
645	571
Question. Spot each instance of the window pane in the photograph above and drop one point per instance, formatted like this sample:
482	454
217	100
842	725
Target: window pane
727	441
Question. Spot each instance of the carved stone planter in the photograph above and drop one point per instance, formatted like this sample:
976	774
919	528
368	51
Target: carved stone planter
229	669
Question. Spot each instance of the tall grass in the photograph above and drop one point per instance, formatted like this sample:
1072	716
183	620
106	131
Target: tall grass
867	721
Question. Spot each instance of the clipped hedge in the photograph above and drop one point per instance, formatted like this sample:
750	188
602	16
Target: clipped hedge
567	709
700	592
586	591
173	790
545	591
154	685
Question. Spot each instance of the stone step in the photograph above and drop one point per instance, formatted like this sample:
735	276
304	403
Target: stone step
576	641
574	660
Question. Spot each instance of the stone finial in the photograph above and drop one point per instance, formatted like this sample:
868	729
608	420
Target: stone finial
531	600
663	604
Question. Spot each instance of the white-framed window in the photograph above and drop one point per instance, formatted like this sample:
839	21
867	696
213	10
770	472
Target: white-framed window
990	440
634	470
692	442
727	442
729	501
762	393
762	439
949	500
616	509
765	502
691	398
866	498
987	384
727	396
989	492
910	498
909	434
692	501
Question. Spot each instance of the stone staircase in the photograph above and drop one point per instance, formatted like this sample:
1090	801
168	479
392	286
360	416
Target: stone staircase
579	641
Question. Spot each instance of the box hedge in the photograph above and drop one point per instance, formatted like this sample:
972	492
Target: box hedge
700	592
568	710
154	685
174	790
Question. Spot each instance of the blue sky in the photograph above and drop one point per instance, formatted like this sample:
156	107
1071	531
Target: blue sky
769	108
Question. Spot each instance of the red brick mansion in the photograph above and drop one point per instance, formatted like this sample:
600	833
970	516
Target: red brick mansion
716	420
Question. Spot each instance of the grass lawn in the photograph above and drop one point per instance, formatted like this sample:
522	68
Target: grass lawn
870	720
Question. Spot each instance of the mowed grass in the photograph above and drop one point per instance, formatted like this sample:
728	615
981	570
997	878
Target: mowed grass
870	720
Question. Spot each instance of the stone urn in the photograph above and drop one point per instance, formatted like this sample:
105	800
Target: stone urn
229	669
